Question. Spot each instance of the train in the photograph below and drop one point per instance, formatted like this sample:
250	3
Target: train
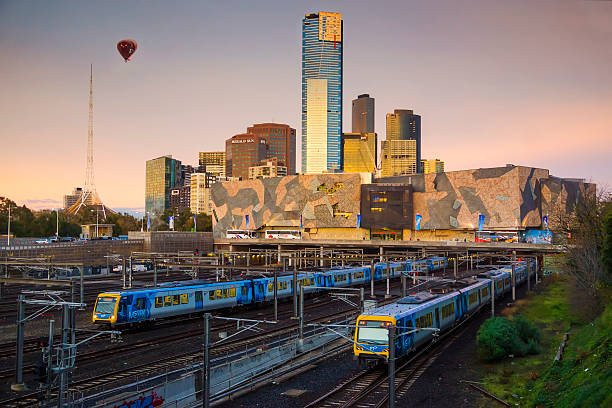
141	306
421	316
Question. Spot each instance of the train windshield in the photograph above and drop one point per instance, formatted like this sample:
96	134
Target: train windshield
105	305
372	332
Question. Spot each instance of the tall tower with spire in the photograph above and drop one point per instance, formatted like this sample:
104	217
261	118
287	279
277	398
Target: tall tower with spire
89	196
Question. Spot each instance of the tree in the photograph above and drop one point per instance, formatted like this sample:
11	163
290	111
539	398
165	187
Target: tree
204	222
583	238
606	252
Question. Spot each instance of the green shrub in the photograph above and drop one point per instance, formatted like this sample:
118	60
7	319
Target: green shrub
499	337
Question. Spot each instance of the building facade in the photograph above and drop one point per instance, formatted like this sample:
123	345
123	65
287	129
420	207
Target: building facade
212	162
403	124
432	166
186	170
71	199
450	206
281	142
199	194
180	197
162	175
399	157
322	92
245	150
363	114
267	168
359	152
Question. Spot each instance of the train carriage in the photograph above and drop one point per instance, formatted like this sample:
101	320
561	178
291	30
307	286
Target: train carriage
179	298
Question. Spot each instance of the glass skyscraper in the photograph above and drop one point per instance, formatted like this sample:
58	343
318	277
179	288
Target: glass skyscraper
321	92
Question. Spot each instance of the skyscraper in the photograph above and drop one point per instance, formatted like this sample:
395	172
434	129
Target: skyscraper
212	162
245	150
162	175
363	114
403	124
359	152
281	142
321	92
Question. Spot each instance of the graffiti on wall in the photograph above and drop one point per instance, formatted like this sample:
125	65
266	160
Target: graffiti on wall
145	401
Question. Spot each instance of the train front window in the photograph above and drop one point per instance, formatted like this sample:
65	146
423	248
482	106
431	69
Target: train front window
106	305
372	332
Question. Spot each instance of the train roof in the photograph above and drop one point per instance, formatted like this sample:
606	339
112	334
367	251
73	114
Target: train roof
415	302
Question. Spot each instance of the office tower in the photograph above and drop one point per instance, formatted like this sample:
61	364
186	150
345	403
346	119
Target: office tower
200	194
321	92
71	199
281	142
267	168
180	197
245	150
432	166
402	149
359	152
403	124
399	157
212	162
162	175
186	171
363	114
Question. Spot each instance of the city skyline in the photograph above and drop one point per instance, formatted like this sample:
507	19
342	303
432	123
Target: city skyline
504	90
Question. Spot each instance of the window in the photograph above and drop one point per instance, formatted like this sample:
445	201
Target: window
184	298
243	291
211	295
176	300
218	294
167	300
270	287
159	301
233	292
424	321
473	298
140	303
485	292
198	297
225	292
448	310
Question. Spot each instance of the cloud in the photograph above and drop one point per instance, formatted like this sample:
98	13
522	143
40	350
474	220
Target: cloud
42	204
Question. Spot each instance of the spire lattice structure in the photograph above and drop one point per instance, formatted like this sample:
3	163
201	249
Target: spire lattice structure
89	196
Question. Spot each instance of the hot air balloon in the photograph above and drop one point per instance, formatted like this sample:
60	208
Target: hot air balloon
126	48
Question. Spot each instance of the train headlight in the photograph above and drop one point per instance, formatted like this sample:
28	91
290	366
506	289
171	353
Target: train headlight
359	348
113	319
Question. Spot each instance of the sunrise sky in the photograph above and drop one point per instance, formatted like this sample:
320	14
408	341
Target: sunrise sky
523	82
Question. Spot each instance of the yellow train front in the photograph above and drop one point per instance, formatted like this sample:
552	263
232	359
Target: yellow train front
105	310
372	336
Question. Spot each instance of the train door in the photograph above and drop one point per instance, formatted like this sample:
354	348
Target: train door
122	310
438	317
198	300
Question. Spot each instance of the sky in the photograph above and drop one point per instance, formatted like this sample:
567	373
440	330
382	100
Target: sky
495	82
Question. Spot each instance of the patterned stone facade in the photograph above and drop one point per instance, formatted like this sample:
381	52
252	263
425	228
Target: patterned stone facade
510	198
322	200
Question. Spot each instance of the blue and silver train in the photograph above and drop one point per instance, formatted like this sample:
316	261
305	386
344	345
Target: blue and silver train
420	316
181	298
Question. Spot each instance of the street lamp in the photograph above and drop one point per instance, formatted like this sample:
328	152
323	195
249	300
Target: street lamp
57	223
8	233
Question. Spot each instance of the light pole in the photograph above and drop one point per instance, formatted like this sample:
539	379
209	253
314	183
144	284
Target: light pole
57	223
97	236
8	233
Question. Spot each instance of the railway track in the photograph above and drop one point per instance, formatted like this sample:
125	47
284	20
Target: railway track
83	386
370	387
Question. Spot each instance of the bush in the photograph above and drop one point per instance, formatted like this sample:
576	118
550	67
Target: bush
499	337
